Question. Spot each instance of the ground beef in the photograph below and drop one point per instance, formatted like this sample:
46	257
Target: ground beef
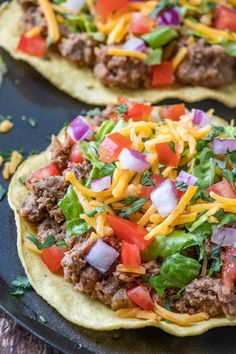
121	300
33	15
88	278
118	71
80	170
105	289
205	65
152	268
50	227
207	295
31	210
126	277
78	47
98	119
73	261
59	153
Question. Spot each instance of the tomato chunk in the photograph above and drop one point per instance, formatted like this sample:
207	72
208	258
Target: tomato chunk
136	111
173	112
128	231
52	257
35	45
106	8
225	18
76	154
50	170
130	254
141	296
140	23
223	189
167	156
229	268
162	74
111	147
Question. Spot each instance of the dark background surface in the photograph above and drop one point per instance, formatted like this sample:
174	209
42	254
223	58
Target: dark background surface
24	92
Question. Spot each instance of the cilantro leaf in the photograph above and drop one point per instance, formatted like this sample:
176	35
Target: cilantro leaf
98	209
29	120
162	5
121	108
146	179
181	186
50	240
172	146
134	207
217	261
227	174
21	284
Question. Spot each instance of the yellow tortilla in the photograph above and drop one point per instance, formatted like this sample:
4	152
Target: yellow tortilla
76	307
80	82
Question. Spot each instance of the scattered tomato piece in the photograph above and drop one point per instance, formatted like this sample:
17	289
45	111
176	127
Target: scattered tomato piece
111	147
162	74
106	8
140	23
35	45
50	170
52	257
229	268
223	189
225	18
130	254
76	154
173	112
141	296
167	156
136	111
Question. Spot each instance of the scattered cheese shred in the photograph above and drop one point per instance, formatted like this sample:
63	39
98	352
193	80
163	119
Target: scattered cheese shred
32	32
184	218
145	218
226	201
53	28
130	269
126	53
179	57
5	126
180	319
162	228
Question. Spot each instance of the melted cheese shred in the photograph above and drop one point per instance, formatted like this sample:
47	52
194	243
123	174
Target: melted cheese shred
53	28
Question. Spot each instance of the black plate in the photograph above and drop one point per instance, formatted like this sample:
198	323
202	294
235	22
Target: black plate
24	92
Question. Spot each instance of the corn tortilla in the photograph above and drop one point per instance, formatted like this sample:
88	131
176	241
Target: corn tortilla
75	306
80	82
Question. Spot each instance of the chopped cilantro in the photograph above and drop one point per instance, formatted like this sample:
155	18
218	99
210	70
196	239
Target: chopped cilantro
163	4
21	284
2	192
229	175
29	120
50	240
33	152
48	41
42	319
146	179
133	207
172	146
7	117
121	108
98	209
21	180
216	260
181	186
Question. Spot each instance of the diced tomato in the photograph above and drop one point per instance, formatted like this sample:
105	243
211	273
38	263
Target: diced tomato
229	268
35	45
146	190
178	192
166	156
225	18
141	296
140	23
130	254
136	111
223	189
173	112
76	154
111	147
157	179
162	74
105	7
128	231
50	170
52	257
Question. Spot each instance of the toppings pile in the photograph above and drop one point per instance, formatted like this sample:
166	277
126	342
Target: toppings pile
138	207
137	44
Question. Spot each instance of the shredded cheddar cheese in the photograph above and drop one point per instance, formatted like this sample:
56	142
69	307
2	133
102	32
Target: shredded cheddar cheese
53	28
126	53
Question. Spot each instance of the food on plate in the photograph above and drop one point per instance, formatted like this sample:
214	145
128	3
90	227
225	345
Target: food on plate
128	219
151	49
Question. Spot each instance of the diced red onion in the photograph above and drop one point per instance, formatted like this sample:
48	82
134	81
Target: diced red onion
133	160
135	44
200	118
79	129
164	198
101	184
222	146
74	5
225	236
185	177
101	256
169	17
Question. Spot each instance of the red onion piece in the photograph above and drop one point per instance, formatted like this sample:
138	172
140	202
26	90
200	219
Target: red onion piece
222	146
169	17
164	198
101	256
200	118
133	160
101	184
74	5
226	236
185	177
79	129
136	44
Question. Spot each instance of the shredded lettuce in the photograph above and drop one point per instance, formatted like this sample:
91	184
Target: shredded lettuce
160	37
154	57
205	170
72	209
177	271
106	128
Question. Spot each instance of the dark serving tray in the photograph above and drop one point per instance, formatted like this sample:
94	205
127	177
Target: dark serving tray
24	92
